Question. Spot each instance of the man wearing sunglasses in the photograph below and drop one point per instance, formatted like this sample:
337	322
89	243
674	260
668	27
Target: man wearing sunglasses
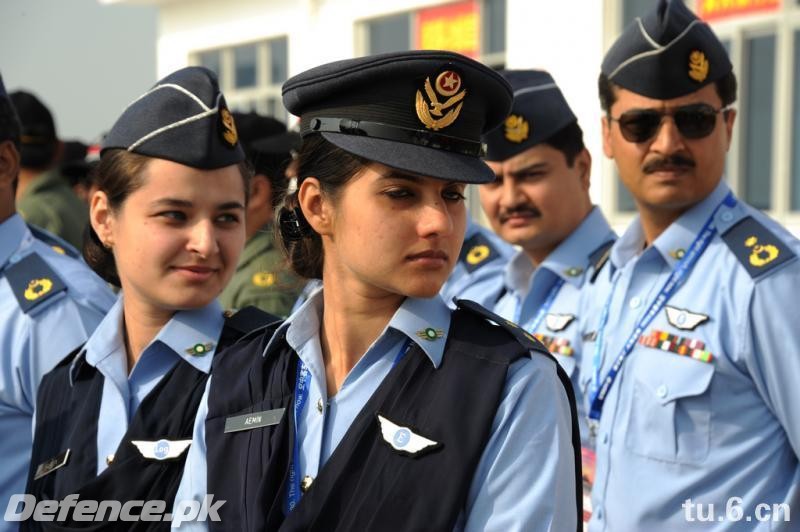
691	356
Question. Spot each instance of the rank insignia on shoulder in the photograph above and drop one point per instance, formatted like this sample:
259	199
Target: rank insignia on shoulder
263	279
476	252
756	247
437	115
403	439
48	466
430	334
558	322
161	449
672	343
684	319
199	350
33	281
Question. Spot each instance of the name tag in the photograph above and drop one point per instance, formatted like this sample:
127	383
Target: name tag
45	468
256	420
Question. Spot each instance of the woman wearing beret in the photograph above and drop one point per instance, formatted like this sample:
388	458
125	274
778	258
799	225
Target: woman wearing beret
114	420
374	406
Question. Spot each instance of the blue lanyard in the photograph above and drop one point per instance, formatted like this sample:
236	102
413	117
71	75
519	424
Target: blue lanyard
676	278
302	385
545	308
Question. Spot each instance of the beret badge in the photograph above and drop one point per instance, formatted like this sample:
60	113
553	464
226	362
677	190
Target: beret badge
517	128
229	134
698	66
437	115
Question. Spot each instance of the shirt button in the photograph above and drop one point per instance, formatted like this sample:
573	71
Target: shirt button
109	459
662	391
319	405
605	438
726	216
635	302
305	484
600	513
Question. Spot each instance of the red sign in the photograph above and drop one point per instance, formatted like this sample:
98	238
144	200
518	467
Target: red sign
453	27
720	9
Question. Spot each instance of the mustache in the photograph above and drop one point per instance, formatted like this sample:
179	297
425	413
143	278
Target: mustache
524	210
667	163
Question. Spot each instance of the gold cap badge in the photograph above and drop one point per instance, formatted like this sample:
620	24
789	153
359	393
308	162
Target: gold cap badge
761	255
448	84
229	132
517	128
37	288
698	66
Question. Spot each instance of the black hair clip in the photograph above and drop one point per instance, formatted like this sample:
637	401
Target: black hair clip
294	225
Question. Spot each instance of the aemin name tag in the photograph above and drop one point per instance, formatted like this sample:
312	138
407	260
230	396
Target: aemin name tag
254	420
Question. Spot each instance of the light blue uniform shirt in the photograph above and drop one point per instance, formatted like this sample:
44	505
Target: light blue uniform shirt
32	343
527	288
677	427
124	392
476	281
525	478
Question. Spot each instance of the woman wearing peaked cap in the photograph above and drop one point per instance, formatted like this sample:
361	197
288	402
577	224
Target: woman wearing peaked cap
374	406
114	420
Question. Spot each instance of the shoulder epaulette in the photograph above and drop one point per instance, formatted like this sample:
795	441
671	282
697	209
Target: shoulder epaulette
598	259
477	251
756	247
33	282
59	245
520	334
249	319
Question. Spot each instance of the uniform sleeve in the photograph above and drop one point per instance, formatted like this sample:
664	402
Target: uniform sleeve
526	476
194	482
771	346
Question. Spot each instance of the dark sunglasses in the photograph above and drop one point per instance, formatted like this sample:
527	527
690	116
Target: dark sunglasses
693	121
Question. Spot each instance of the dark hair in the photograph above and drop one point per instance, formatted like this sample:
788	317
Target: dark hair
333	167
726	89
10	128
120	173
568	140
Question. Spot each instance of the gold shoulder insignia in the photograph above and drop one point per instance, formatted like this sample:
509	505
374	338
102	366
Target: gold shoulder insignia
447	84
37	288
263	279
698	66
478	254
761	255
517	128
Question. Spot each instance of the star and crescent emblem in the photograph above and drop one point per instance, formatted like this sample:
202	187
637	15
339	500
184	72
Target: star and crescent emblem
436	114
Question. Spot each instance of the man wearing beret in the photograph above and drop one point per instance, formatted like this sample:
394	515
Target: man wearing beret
540	202
262	278
691	357
44	197
50	302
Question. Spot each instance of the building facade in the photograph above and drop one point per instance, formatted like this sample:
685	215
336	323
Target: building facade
255	45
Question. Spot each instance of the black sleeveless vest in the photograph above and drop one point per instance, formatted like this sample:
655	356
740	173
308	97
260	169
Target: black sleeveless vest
66	419
366	485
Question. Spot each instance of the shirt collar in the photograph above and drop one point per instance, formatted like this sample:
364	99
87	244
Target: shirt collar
12	232
424	321
570	259
678	237
187	330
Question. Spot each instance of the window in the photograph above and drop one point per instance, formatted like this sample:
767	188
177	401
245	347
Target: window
251	74
471	27
758	80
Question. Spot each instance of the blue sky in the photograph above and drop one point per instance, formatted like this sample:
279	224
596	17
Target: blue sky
84	60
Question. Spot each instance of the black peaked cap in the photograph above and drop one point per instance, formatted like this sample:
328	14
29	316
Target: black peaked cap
420	111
